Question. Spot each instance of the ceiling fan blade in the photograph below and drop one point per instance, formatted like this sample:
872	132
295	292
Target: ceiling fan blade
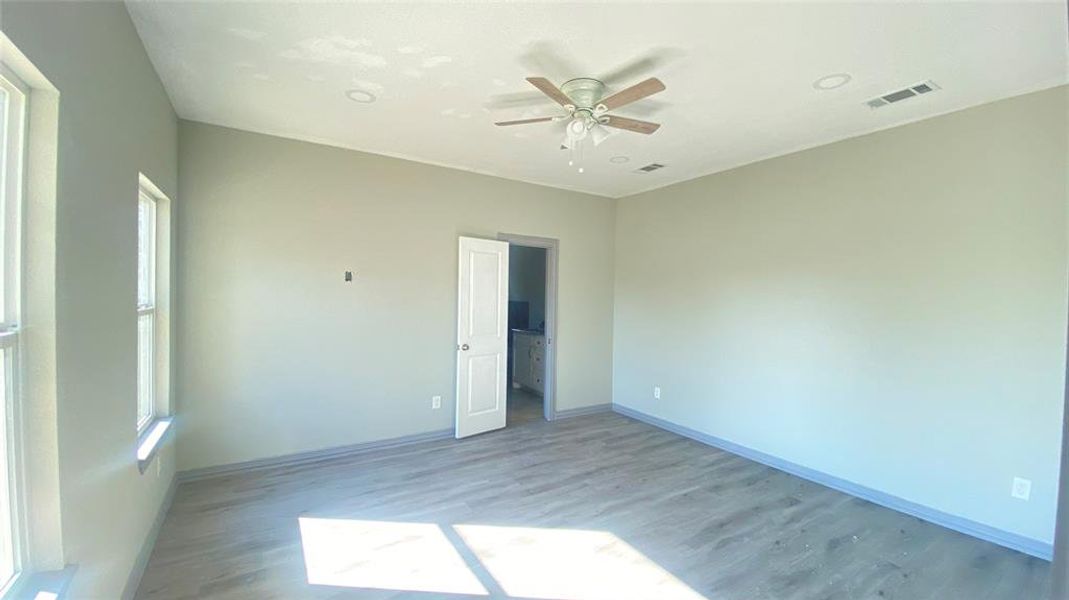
549	58
636	92
517	100
631	124
653	59
550	90
525	121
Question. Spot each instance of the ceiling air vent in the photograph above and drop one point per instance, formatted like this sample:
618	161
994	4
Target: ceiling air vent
902	94
649	168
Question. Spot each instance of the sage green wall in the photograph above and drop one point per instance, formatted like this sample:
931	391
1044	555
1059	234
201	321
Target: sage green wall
115	121
890	309
277	354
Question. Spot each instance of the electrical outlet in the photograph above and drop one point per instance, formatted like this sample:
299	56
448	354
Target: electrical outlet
436	402
1022	488
657	393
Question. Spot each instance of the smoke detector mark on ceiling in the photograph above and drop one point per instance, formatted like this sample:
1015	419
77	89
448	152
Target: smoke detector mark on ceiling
831	82
649	168
923	87
360	96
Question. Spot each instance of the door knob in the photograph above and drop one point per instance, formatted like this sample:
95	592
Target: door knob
465	347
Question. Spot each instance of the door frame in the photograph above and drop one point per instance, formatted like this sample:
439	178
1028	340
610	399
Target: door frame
552	247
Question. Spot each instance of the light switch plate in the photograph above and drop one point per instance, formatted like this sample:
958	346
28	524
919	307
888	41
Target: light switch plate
436	402
657	393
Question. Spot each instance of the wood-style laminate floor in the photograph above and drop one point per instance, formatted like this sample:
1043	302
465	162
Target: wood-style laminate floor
596	507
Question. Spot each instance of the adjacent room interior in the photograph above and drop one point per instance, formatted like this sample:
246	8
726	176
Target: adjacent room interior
588	301
527	334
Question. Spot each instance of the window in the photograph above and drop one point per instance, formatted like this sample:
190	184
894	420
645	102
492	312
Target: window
146	311
153	320
13	95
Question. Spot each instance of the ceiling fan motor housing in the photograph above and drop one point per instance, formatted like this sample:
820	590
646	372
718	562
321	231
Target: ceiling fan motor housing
584	92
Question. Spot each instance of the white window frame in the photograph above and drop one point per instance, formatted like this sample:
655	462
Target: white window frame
11	214
154	409
146	308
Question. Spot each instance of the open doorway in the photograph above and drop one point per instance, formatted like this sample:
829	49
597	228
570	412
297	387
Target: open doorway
531	319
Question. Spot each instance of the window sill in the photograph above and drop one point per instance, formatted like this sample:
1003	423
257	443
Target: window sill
43	585
149	442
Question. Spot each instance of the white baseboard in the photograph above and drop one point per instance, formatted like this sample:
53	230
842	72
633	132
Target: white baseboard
141	563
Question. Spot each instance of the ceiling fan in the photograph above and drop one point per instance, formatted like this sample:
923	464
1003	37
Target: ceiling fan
586	109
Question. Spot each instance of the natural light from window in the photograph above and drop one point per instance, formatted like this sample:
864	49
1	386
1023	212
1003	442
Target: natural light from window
522	562
576	564
384	555
152	438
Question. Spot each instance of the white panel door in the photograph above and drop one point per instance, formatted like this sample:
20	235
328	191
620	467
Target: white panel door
482	335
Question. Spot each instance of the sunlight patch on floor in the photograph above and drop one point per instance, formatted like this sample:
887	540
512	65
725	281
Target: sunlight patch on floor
384	555
570	563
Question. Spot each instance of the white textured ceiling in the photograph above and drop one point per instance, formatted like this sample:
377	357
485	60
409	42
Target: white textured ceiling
739	75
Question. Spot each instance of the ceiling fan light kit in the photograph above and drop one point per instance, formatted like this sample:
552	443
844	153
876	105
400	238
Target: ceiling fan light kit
599	133
586	107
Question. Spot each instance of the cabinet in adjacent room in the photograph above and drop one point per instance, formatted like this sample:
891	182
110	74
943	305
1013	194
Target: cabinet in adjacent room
529	360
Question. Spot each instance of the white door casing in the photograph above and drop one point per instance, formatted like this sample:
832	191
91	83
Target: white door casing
482	335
